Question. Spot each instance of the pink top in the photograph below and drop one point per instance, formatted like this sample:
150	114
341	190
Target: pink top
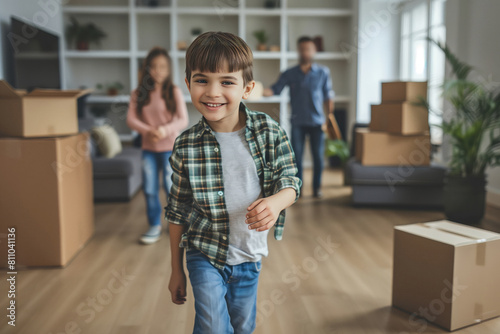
155	115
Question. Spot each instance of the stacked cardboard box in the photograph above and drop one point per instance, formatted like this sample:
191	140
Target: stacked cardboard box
399	130
46	190
446	273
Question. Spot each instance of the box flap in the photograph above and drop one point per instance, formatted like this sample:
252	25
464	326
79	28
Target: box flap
7	92
449	233
58	93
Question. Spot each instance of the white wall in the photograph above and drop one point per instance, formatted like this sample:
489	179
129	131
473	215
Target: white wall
472	33
45	14
378	52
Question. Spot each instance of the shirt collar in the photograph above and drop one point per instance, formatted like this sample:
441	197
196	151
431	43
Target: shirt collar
204	127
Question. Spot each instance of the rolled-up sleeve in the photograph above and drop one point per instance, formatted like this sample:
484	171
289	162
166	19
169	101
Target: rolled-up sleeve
180	199
328	92
286	167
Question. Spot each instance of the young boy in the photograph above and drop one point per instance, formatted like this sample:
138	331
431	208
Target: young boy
233	177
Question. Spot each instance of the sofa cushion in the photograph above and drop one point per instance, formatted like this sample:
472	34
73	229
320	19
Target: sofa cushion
107	140
356	173
126	163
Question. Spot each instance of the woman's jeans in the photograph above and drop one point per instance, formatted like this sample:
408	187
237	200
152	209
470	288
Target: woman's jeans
152	164
225	300
317	141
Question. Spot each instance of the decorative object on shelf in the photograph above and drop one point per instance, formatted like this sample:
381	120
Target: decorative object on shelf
274	48
181	45
257	92
271	3
153	3
195	32
112	89
472	129
83	35
262	38
318	41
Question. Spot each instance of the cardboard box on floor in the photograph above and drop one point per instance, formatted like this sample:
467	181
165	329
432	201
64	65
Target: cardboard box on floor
402	91
446	273
384	149
399	118
40	113
46	194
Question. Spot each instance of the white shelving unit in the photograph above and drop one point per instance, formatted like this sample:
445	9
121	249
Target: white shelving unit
133	29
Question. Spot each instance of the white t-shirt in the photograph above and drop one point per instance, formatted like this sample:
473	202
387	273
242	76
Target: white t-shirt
241	188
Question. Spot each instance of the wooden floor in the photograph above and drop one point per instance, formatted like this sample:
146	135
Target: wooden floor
331	273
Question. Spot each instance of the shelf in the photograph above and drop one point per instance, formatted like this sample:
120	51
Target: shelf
97	54
266	54
263	11
320	55
319	12
152	11
108	99
95	9
147	23
213	10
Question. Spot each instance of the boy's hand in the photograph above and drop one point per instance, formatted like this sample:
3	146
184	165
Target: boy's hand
262	214
177	287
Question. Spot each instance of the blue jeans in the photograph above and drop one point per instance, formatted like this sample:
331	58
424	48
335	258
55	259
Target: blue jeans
152	164
317	141
225	300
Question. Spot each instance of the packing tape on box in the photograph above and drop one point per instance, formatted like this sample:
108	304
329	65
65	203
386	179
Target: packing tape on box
480	243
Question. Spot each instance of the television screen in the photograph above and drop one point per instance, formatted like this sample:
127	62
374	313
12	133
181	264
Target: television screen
35	56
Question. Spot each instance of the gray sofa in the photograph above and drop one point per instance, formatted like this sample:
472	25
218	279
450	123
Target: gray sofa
412	186
118	178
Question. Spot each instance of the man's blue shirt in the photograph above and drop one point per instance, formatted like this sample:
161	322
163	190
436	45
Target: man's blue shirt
308	91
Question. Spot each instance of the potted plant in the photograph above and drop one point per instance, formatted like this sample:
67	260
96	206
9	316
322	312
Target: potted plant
338	149
262	38
83	35
475	142
112	89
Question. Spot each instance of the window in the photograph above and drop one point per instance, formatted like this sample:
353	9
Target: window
419	59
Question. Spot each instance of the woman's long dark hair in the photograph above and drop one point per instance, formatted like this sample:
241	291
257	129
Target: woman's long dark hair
147	84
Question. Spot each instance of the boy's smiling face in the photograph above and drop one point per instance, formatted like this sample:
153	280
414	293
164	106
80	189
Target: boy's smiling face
217	97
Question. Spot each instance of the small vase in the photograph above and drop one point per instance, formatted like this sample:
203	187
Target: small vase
82	45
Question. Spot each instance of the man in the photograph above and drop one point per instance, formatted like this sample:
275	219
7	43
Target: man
310	91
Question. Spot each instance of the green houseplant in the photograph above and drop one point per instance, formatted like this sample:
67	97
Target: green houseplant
261	37
83	34
475	141
337	148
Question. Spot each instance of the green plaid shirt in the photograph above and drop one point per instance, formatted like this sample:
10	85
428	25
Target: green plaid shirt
196	198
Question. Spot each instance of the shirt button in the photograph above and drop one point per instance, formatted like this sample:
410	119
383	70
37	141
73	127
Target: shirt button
216	149
224	237
220	193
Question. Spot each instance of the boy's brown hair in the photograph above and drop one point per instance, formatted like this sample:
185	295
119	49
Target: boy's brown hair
208	52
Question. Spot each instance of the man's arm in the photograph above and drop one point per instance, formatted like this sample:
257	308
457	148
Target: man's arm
278	86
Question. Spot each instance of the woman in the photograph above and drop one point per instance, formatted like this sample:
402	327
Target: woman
158	112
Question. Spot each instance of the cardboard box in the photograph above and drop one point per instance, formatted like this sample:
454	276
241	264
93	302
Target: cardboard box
446	273
400	118
401	91
46	193
385	149
40	113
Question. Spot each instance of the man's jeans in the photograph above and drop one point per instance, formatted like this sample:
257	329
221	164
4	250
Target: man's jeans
225	300
317	141
152	164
